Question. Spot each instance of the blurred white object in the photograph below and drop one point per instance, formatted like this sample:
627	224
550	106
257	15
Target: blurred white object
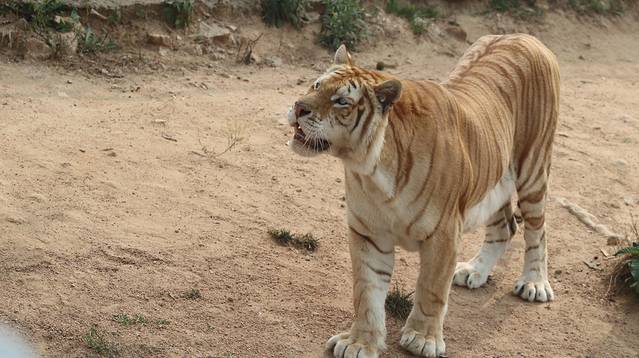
13	345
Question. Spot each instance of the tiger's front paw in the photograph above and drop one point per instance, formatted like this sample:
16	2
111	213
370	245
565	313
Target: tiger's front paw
421	345
344	345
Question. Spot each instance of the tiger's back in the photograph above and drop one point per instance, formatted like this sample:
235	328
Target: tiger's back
507	88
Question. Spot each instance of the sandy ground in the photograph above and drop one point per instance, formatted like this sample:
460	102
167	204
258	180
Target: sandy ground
114	199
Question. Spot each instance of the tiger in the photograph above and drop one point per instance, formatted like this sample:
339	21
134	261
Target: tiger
425	162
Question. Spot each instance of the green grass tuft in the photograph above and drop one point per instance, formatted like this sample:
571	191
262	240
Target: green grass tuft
416	15
398	303
342	23
193	294
278	12
126	320
286	238
95	341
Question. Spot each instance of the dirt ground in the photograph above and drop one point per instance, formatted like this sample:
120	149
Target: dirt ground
116	198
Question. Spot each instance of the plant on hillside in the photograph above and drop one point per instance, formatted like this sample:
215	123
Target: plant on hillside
523	9
416	15
90	43
342	23
179	13
602	7
278	12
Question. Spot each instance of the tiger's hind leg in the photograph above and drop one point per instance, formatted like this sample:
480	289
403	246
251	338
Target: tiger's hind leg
500	229
533	283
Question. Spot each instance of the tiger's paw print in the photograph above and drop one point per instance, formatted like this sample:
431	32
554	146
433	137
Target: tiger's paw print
534	290
467	275
344	346
422	346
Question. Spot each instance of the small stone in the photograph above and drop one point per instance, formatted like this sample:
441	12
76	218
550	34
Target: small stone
581	57
159	39
69	82
195	50
630	201
620	163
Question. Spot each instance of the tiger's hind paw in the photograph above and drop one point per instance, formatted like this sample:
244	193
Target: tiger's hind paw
467	275
534	290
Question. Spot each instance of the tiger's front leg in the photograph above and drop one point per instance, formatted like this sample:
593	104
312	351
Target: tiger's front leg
373	261
422	334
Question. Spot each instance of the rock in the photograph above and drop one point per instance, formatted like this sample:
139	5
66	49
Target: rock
454	30
36	49
620	163
630	201
67	43
615	241
195	50
273	61
159	39
163	52
581	57
213	33
217	56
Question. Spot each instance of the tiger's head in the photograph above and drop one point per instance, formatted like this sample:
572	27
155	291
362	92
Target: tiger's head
344	111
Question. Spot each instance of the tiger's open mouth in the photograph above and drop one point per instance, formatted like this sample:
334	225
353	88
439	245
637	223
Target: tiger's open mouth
316	144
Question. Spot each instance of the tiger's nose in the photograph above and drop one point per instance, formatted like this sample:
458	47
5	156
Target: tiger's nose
300	109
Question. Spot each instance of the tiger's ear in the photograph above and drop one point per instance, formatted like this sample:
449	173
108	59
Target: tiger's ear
342	57
388	92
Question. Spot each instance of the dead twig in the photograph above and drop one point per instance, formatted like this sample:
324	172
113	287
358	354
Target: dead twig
245	50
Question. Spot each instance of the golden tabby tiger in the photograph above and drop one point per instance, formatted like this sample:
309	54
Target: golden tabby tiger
426	161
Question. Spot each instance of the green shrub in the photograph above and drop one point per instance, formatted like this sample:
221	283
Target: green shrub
629	271
179	13
342	23
602	7
517	8
40	15
416	15
278	12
